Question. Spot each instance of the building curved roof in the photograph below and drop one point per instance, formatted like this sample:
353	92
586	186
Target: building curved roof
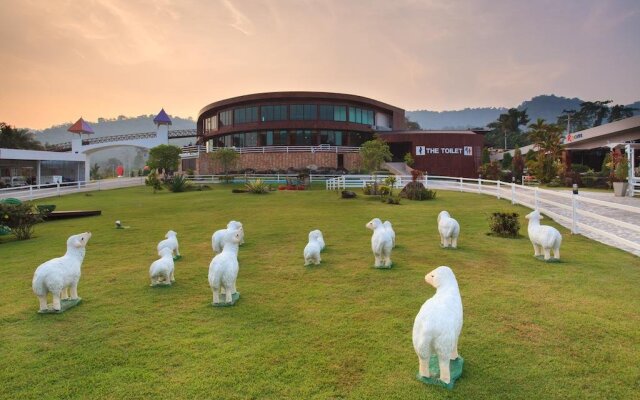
297	96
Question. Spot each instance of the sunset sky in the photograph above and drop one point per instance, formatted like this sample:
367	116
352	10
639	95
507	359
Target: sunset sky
102	58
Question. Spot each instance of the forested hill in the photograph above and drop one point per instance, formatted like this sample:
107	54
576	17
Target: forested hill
547	107
109	127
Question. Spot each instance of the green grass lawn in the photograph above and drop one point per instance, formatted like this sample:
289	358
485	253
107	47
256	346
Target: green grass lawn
339	330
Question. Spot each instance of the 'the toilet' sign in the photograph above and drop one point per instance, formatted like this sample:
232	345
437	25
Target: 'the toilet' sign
465	150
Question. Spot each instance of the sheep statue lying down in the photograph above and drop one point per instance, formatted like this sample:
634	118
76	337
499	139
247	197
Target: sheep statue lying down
438	324
381	243
62	273
543	237
223	270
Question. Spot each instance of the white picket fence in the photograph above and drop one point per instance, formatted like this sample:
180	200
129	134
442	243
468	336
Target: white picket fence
609	222
33	192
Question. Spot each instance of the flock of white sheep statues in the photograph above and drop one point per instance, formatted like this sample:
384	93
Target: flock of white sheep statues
436	327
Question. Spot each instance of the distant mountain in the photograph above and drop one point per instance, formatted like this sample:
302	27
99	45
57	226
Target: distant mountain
547	107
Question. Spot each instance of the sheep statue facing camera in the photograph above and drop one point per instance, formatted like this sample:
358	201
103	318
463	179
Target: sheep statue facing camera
317	235
392	233
223	270
59	274
161	270
449	230
381	243
171	242
217	239
438	324
543	237
312	250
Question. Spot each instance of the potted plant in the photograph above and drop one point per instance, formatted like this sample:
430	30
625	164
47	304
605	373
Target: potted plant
620	175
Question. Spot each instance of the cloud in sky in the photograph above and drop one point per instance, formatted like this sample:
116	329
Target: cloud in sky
109	57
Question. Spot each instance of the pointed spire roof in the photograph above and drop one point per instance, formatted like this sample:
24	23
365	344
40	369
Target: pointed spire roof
80	127
162	118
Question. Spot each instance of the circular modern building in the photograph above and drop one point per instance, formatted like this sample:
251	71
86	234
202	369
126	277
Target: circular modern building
319	130
296	119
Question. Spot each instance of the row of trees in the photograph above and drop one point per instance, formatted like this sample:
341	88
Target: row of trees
14	138
507	131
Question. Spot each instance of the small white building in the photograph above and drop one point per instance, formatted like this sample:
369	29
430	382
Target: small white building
24	167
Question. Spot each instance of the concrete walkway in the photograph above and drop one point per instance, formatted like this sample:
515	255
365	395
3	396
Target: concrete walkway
606	210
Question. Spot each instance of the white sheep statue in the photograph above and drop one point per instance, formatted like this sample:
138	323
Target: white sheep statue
543	237
312	250
62	273
170	242
317	235
381	243
217	241
161	270
449	230
438	324
223	270
389	229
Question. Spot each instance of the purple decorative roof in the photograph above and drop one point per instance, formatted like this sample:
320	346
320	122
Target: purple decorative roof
80	127
162	118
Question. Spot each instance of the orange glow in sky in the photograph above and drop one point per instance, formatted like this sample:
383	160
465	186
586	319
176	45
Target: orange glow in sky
102	58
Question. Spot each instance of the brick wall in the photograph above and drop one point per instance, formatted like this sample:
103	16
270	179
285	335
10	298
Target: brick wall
280	161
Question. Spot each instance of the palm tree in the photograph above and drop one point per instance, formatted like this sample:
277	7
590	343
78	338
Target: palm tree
508	125
13	138
548	140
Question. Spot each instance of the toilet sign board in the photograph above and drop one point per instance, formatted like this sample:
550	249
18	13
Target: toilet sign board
419	150
468	150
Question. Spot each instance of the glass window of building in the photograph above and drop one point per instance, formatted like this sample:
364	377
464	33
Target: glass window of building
226	117
245	115
333	113
212	123
238	139
310	111
228	141
251	139
360	116
297	112
303	138
326	113
332	138
280	138
274	113
303	112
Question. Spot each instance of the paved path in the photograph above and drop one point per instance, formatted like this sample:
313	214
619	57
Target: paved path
630	215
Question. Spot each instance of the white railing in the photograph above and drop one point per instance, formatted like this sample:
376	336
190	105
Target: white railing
323	148
594	218
33	192
268	178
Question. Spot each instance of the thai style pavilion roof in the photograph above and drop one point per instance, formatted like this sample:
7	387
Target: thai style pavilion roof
162	118
81	126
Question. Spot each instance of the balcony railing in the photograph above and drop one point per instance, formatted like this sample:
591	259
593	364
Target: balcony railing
323	148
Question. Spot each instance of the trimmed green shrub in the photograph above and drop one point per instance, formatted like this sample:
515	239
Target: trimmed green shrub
504	224
257	186
178	184
20	218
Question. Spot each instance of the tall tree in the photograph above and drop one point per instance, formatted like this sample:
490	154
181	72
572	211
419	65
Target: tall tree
13	138
548	141
412	125
226	156
506	129
374	153
595	111
620	111
165	157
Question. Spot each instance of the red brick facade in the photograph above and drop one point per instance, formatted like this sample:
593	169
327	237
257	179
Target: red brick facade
281	161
